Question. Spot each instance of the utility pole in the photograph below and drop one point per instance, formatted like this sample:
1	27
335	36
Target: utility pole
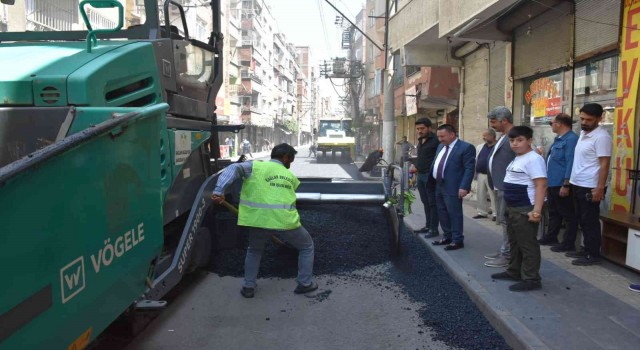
388	120
355	77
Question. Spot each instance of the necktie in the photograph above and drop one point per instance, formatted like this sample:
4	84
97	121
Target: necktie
441	164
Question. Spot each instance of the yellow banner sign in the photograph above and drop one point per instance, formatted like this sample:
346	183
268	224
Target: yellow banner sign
626	100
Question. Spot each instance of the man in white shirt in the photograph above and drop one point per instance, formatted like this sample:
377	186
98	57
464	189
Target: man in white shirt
589	177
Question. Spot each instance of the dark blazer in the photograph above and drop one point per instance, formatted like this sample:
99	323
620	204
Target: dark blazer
459	170
501	159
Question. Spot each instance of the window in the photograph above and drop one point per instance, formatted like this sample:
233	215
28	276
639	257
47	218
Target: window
542	99
398	75
371	20
201	31
411	70
596	81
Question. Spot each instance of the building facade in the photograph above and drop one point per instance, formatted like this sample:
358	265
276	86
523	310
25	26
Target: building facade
540	58
270	77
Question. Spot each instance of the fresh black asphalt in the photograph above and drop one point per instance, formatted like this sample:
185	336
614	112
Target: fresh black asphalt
348	238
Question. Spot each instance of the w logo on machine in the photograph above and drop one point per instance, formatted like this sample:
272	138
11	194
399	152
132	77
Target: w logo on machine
72	279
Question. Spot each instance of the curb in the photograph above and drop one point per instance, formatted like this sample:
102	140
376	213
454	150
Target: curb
516	334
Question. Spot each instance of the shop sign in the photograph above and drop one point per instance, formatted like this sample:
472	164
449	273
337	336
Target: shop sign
626	100
544	97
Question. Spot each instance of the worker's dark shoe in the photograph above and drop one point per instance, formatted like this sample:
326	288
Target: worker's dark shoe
524	286
248	292
300	289
422	230
504	276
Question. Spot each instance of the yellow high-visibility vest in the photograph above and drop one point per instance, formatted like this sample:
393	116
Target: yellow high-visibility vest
268	198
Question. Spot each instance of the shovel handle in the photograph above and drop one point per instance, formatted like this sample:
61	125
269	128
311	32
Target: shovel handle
230	207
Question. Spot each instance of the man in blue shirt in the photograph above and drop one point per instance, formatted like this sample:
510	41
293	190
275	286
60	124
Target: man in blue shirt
559	164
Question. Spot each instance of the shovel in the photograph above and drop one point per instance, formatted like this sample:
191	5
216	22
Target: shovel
275	239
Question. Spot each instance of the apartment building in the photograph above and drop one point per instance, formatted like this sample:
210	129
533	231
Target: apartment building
307	90
270	76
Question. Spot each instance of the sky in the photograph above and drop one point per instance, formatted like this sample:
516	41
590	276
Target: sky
301	23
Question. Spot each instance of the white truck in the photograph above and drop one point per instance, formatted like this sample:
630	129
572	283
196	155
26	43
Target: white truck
335	136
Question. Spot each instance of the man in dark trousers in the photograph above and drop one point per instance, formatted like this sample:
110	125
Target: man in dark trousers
268	208
452	170
501	120
427	146
589	180
559	164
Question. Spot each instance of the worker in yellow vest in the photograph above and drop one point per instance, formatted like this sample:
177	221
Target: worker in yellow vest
268	207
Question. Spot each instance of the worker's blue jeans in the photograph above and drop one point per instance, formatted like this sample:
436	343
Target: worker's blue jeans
298	238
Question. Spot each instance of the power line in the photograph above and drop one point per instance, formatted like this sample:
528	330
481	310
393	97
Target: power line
324	27
348	9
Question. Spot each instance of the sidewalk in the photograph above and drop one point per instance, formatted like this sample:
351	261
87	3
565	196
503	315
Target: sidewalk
577	307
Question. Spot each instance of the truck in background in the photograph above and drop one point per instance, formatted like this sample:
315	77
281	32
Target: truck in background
336	141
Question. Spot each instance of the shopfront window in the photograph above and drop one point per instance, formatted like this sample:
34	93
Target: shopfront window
543	99
596	82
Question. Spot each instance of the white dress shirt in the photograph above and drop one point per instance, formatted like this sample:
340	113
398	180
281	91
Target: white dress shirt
440	154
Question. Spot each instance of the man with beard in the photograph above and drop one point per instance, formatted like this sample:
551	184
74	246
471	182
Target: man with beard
589	177
501	120
427	146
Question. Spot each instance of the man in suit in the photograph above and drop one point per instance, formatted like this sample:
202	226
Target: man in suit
501	120
453	171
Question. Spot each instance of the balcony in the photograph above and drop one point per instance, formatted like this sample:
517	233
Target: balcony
44	16
251	109
245	74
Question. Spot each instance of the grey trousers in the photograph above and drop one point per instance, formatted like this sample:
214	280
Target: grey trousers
299	238
483	189
505	248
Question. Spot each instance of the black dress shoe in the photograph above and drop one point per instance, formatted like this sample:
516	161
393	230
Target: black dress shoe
443	241
431	234
479	217
560	248
422	230
454	246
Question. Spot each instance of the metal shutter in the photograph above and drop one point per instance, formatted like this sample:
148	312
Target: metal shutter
547	47
474	109
591	36
497	73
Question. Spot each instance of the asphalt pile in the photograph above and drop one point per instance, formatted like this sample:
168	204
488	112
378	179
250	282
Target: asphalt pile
348	238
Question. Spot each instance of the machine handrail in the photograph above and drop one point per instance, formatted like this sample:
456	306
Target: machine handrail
167	23
388	177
